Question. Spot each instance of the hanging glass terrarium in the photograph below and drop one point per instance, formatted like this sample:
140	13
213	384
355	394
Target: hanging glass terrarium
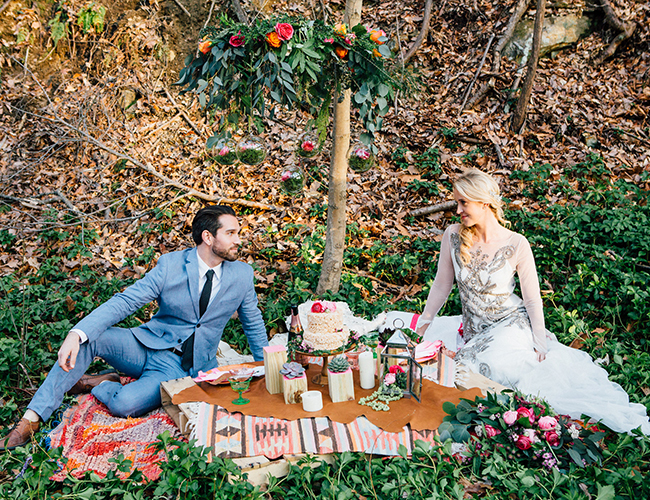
251	150
224	151
292	179
360	157
307	145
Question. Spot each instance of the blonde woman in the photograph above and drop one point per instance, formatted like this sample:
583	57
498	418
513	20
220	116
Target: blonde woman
503	335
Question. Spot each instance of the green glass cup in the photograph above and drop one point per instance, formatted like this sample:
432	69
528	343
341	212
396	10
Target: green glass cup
240	386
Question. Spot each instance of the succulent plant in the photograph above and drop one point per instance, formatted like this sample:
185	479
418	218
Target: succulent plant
339	364
292	370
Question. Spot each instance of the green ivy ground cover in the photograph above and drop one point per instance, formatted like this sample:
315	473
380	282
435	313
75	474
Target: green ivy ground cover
593	257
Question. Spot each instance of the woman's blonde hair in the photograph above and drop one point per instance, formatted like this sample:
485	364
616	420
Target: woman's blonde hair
474	185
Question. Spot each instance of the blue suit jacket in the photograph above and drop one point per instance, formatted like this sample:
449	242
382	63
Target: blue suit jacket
173	283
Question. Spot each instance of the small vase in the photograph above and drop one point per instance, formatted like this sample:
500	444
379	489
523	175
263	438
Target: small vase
224	152
292	180
251	150
360	157
307	145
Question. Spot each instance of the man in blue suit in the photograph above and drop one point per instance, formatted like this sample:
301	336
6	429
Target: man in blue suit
197	291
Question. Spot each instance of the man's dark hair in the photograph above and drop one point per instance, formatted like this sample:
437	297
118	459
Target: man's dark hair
209	218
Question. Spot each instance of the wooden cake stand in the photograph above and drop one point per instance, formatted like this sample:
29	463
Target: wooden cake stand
321	378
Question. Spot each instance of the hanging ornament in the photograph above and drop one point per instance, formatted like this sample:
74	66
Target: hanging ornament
292	180
251	150
360	157
224	152
307	145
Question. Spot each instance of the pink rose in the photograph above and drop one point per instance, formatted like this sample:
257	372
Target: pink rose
552	438
284	31
547	423
491	431
237	40
526	412
329	306
328	40
364	154
286	176
307	146
510	417
523	443
224	151
389	379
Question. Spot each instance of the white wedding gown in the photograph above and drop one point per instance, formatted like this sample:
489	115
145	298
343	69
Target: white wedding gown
500	330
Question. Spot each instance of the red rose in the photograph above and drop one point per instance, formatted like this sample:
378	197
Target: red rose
395	369
526	412
552	438
284	31
237	40
317	307
523	443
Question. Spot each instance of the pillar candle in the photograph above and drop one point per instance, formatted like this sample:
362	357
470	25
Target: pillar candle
367	370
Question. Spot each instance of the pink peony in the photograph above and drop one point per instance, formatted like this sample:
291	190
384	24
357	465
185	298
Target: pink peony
286	176
307	146
491	431
522	411
224	151
547	423
237	40
510	417
552	438
364	154
389	379
523	443
329	306
284	31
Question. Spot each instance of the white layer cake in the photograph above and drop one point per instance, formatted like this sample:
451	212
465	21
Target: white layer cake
325	331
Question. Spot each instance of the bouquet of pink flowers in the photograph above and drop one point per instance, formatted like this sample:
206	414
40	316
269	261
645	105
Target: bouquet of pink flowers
526	429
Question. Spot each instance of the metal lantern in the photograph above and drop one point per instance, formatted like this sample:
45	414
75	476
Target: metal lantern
400	351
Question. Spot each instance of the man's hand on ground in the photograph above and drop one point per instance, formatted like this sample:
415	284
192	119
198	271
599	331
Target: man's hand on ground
68	351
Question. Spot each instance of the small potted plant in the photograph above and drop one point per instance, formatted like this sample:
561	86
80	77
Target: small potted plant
360	157
294	382
292	179
339	380
251	150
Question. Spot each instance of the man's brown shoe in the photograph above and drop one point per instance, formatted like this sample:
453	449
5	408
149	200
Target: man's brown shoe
19	435
87	382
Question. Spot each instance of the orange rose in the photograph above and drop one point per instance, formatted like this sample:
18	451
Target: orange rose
204	46
273	40
341	52
375	35
376	53
340	29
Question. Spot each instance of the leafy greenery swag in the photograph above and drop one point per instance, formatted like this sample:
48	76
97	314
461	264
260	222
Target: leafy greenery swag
297	63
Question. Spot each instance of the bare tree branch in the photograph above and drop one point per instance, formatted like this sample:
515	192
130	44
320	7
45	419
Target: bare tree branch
440	207
626	31
423	32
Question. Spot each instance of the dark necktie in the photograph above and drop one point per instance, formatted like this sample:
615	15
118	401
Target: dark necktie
187	359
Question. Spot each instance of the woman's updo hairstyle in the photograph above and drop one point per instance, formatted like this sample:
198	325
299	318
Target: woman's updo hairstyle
474	185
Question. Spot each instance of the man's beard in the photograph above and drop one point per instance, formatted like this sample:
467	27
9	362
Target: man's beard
229	255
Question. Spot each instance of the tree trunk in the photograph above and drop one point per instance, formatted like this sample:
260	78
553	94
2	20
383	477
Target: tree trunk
519	115
330	276
423	33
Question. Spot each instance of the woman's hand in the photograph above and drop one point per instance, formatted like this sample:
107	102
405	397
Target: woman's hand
541	356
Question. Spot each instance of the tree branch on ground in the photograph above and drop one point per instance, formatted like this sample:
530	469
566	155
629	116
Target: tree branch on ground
426	21
626	31
519	115
431	209
520	8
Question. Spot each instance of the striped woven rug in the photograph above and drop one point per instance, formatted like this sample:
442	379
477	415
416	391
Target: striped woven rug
90	436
